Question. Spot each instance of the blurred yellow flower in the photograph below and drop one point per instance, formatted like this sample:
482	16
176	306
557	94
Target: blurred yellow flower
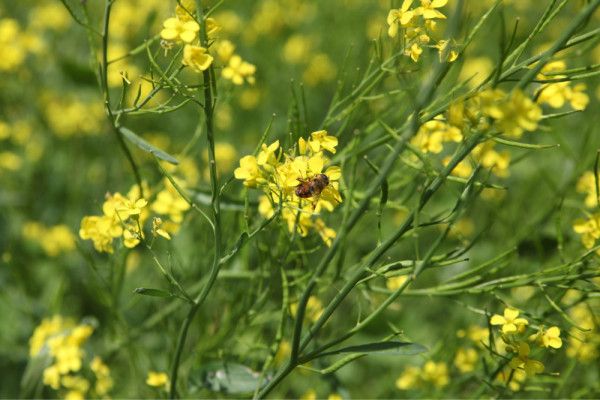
395	282
465	360
588	229
157	379
587	185
522	360
238	71
513	113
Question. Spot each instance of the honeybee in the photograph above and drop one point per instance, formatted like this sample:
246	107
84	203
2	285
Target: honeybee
312	187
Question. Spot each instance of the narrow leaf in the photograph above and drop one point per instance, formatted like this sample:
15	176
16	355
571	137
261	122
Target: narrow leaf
144	145
152	292
525	145
392	347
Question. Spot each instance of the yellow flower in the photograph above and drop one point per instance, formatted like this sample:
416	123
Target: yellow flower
157	230
414	52
395	282
409	378
334	396
465	360
320	140
175	29
327	234
157	379
51	377
238	70
436	373
441	46
463	169
523	361
551	338
513	114
428	9
185	10
267	155
104	381
314	309
399	17
310	394
432	134
490	158
513	378
248	171
510	321
588	229
196	58
320	68
169	202
224	50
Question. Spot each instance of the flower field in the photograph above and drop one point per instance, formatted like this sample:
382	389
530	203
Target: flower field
300	199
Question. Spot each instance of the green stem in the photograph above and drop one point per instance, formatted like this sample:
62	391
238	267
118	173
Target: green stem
106	92
215	206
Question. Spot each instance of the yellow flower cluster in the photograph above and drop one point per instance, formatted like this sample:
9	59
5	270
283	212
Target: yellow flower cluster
72	117
417	25
432	373
124	217
235	68
513	328
15	45
583	345
588	228
18	134
183	28
587	185
54	240
512	113
557	94
282	176
63	341
493	109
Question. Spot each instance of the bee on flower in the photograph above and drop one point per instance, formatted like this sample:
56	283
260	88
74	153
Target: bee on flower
299	180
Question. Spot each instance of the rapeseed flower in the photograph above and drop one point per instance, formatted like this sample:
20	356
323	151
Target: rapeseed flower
279	174
239	71
157	379
399	17
523	361
548	337
196	57
587	185
428	9
465	360
510	321
512	113
175	29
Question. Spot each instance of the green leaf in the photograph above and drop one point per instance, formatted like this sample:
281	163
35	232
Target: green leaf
340	363
144	145
524	145
227	377
391	347
152	292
